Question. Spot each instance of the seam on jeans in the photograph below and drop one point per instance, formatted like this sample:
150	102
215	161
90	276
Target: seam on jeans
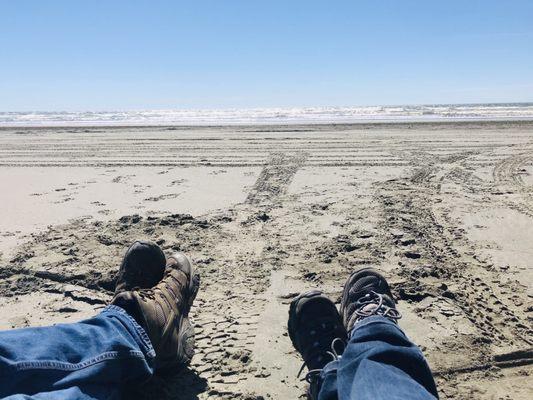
64	366
150	352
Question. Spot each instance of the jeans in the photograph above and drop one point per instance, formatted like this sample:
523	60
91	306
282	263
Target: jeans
378	363
96	358
91	359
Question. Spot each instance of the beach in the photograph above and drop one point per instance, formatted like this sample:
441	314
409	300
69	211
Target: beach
443	209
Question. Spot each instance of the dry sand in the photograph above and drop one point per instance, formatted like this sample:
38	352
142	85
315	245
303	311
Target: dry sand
445	210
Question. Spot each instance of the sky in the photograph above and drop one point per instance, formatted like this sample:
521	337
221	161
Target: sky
127	54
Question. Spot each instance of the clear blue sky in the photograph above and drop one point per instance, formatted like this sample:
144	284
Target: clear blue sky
128	54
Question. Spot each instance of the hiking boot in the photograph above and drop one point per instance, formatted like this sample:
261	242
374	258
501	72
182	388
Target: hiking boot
316	332
143	266
366	293
163	312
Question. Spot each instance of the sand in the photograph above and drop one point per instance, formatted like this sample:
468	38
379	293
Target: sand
445	210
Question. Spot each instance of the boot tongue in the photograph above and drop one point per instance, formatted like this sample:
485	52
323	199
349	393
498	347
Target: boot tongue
377	307
370	309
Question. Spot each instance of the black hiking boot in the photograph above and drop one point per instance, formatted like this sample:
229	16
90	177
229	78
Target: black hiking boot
143	266
163	312
366	293
317	333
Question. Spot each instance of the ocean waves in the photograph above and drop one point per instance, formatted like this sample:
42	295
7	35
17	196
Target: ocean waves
265	116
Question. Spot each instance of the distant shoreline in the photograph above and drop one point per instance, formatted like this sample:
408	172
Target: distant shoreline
410	114
276	126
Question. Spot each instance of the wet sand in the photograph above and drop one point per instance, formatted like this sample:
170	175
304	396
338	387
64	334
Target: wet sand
445	210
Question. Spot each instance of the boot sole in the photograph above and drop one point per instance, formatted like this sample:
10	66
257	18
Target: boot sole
187	338
186	328
194	284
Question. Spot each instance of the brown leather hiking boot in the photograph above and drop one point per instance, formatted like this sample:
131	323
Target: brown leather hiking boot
143	266
163	312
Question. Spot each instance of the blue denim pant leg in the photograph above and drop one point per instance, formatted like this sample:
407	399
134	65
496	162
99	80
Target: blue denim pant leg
91	359
328	382
380	362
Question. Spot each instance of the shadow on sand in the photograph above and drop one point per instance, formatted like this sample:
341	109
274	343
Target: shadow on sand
183	385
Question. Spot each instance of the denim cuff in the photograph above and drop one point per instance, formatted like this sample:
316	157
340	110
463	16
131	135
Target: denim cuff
137	331
330	367
374	319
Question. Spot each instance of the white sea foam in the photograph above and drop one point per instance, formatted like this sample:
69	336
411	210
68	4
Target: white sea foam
311	115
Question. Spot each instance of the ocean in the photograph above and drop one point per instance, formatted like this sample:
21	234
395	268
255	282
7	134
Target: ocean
265	116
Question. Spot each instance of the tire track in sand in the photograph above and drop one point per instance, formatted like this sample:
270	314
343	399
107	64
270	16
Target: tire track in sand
440	272
235	251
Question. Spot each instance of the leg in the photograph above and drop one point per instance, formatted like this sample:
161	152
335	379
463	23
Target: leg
96	357
73	393
381	363
145	329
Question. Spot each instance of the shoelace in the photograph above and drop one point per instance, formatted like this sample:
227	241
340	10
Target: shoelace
150	293
146	294
380	309
312	374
